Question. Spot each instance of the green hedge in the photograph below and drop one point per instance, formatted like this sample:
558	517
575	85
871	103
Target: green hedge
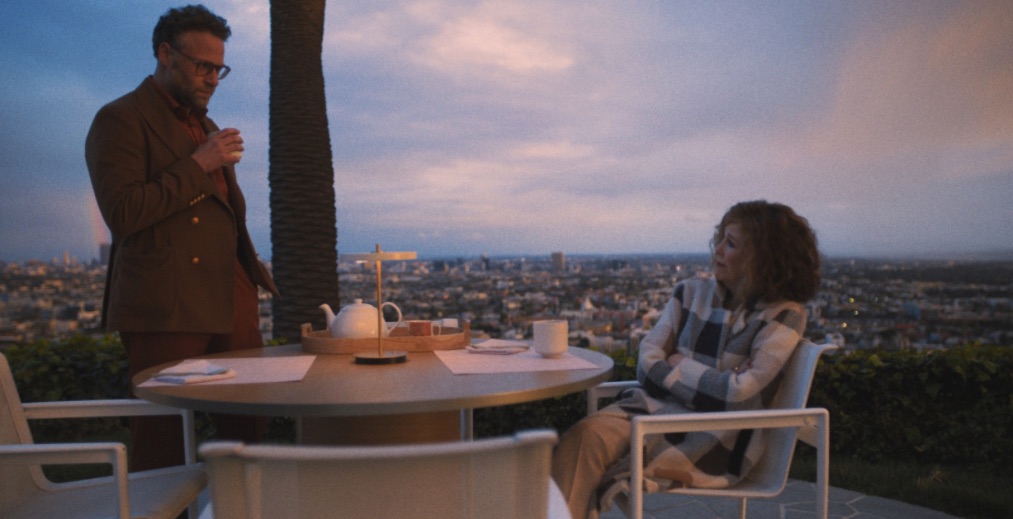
88	368
554	413
76	368
947	406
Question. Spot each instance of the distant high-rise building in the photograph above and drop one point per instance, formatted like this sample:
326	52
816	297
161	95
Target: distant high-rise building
558	261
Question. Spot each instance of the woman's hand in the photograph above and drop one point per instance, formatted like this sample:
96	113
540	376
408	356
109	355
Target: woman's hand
748	364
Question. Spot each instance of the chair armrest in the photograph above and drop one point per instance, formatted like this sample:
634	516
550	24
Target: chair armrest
725	420
115	408
813	418
64	453
607	390
76	453
96	409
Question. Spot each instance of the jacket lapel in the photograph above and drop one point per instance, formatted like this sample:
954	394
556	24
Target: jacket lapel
162	121
167	128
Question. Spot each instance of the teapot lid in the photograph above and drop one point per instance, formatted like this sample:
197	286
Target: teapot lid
357	305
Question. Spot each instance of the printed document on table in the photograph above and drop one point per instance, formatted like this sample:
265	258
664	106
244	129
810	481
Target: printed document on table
259	370
460	362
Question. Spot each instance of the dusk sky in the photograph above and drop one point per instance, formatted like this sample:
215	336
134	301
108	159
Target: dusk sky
527	127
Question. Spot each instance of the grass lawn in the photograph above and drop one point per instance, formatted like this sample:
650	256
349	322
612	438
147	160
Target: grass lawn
969	492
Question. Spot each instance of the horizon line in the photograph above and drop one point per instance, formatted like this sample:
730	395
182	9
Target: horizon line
976	256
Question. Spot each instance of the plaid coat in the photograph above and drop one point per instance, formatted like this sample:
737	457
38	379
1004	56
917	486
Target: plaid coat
732	361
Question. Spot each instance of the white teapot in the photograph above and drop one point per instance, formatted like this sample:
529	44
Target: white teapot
358	321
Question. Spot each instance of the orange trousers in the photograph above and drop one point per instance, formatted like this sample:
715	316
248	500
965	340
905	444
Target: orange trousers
158	440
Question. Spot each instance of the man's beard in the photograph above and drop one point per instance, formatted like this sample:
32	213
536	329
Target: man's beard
186	97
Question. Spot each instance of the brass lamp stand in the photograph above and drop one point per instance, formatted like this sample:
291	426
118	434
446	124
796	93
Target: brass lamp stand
380	357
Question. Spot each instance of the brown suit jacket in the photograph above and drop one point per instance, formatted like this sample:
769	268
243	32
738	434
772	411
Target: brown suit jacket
175	240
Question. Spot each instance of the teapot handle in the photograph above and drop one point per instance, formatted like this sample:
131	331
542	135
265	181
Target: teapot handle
398	310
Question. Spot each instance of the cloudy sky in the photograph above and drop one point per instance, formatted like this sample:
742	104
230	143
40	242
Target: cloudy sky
526	127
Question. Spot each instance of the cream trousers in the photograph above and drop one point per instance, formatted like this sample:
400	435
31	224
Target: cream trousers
585	452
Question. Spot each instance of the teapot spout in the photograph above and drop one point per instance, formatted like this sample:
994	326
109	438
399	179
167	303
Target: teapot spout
329	313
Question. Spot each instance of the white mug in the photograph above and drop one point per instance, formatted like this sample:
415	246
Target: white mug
550	338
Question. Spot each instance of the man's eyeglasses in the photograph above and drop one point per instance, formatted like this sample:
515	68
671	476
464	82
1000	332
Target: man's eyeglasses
206	67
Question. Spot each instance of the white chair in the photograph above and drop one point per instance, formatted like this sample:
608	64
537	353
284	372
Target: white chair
505	477
25	492
788	419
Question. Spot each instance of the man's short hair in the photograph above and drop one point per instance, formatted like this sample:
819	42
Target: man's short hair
190	18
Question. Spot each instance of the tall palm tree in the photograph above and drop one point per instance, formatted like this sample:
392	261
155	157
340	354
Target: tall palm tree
303	223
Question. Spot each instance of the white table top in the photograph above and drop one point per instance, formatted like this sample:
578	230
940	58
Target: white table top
336	386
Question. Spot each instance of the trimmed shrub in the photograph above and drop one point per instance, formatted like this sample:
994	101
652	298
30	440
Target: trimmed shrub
75	368
553	413
946	406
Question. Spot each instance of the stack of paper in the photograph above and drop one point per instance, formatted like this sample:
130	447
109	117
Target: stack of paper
497	347
193	372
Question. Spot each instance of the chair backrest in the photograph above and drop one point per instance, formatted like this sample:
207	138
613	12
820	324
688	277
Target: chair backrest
500	477
772	469
798	375
13	425
16	480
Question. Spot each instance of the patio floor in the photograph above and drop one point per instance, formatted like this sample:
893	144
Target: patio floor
796	502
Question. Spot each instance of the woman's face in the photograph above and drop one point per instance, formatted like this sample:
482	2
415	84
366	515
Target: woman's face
728	258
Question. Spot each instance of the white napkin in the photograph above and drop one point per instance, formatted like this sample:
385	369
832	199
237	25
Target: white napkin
497	347
192	372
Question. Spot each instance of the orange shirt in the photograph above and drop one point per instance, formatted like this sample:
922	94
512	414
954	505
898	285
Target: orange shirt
246	300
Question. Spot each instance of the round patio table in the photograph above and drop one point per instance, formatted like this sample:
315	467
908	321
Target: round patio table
339	401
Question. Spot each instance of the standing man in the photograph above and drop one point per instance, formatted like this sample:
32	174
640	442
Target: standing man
183	272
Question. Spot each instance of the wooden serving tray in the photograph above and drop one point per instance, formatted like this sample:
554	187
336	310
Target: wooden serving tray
449	339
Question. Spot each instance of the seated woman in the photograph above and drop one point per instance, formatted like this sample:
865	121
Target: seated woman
720	344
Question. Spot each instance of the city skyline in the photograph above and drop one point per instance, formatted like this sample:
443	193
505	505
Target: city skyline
861	303
524	128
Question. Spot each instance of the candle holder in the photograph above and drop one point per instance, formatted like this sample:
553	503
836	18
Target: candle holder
379	256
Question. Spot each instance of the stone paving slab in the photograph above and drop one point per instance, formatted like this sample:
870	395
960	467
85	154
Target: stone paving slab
798	501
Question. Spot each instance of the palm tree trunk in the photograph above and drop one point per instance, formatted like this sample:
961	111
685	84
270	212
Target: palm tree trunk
303	222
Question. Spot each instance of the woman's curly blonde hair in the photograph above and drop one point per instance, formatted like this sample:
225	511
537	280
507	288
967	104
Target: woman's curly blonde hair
780	254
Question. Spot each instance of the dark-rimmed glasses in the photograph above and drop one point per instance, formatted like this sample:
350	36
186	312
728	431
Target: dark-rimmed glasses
205	67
